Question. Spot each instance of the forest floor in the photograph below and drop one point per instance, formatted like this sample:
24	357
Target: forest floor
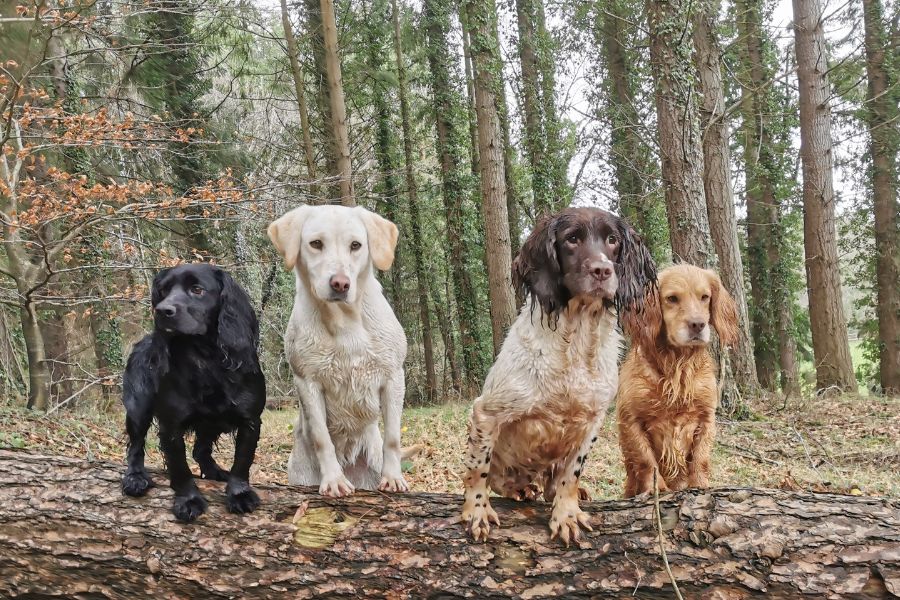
847	444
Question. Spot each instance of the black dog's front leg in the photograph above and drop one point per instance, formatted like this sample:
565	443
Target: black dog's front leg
189	503
137	481
239	496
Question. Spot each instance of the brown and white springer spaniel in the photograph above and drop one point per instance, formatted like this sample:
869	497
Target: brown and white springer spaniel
545	398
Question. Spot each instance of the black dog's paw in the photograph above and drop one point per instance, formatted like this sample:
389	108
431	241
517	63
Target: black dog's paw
216	473
188	508
136	484
240	498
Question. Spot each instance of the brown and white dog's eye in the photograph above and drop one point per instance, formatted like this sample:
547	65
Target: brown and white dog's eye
572	238
354	246
196	290
673	299
317	244
612	240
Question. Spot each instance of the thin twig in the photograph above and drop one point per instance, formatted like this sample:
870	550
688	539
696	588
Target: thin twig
659	529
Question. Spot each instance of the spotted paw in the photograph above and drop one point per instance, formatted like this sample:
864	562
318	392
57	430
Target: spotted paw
477	517
566	521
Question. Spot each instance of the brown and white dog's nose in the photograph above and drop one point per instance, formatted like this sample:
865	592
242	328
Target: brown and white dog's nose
601	271
340	283
696	327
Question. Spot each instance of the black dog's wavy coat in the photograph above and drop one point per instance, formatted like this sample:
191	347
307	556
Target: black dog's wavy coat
197	371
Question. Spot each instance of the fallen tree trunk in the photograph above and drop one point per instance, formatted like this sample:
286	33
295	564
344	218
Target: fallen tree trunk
67	531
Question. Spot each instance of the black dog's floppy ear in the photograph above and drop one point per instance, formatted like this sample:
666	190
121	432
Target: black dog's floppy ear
636	272
156	288
238	326
536	269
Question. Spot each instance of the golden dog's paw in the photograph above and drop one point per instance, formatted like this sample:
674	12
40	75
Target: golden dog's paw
566	521
477	517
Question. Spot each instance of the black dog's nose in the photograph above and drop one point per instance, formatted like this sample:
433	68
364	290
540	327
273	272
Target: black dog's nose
167	311
696	326
601	271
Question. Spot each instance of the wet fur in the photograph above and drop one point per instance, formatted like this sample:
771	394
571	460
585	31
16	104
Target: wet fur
668	393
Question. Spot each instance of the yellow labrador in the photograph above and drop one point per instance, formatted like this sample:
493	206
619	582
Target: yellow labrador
346	348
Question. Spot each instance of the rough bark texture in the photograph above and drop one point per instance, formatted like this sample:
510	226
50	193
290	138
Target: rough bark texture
67	531
679	131
297	76
414	220
447	104
773	351
481	18
831	348
884	134
717	187
339	138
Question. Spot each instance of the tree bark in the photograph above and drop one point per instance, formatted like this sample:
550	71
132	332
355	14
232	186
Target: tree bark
831	348
418	249
481	18
446	102
884	141
717	188
67	531
297	76
470	95
338	111
38	372
774	346
679	131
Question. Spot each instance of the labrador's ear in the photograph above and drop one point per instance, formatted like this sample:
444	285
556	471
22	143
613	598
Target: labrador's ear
382	238
285	234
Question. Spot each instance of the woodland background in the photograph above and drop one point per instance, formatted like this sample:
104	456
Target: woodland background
137	134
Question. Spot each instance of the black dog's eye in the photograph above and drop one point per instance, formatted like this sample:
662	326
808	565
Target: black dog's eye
612	240
317	244
196	290
672	299
704	297
355	246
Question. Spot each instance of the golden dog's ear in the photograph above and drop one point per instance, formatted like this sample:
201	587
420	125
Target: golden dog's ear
643	322
285	234
722	311
382	238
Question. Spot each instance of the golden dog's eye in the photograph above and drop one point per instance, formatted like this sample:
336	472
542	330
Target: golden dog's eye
317	244
355	246
672	299
704	297
612	240
196	290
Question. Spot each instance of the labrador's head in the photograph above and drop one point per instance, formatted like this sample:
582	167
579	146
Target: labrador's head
333	247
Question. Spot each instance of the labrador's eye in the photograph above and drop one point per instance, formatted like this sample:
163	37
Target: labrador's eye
673	299
196	290
704	297
612	240
317	244
354	246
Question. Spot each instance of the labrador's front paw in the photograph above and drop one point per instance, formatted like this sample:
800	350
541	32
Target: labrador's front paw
336	487
393	484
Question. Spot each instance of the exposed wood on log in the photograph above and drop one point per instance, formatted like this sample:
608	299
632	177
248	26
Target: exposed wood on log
67	531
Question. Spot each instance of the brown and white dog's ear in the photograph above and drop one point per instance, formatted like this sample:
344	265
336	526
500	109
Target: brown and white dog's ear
285	234
722	311
383	237
536	269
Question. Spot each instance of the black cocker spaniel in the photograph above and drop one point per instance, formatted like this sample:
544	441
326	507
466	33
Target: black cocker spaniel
197	371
